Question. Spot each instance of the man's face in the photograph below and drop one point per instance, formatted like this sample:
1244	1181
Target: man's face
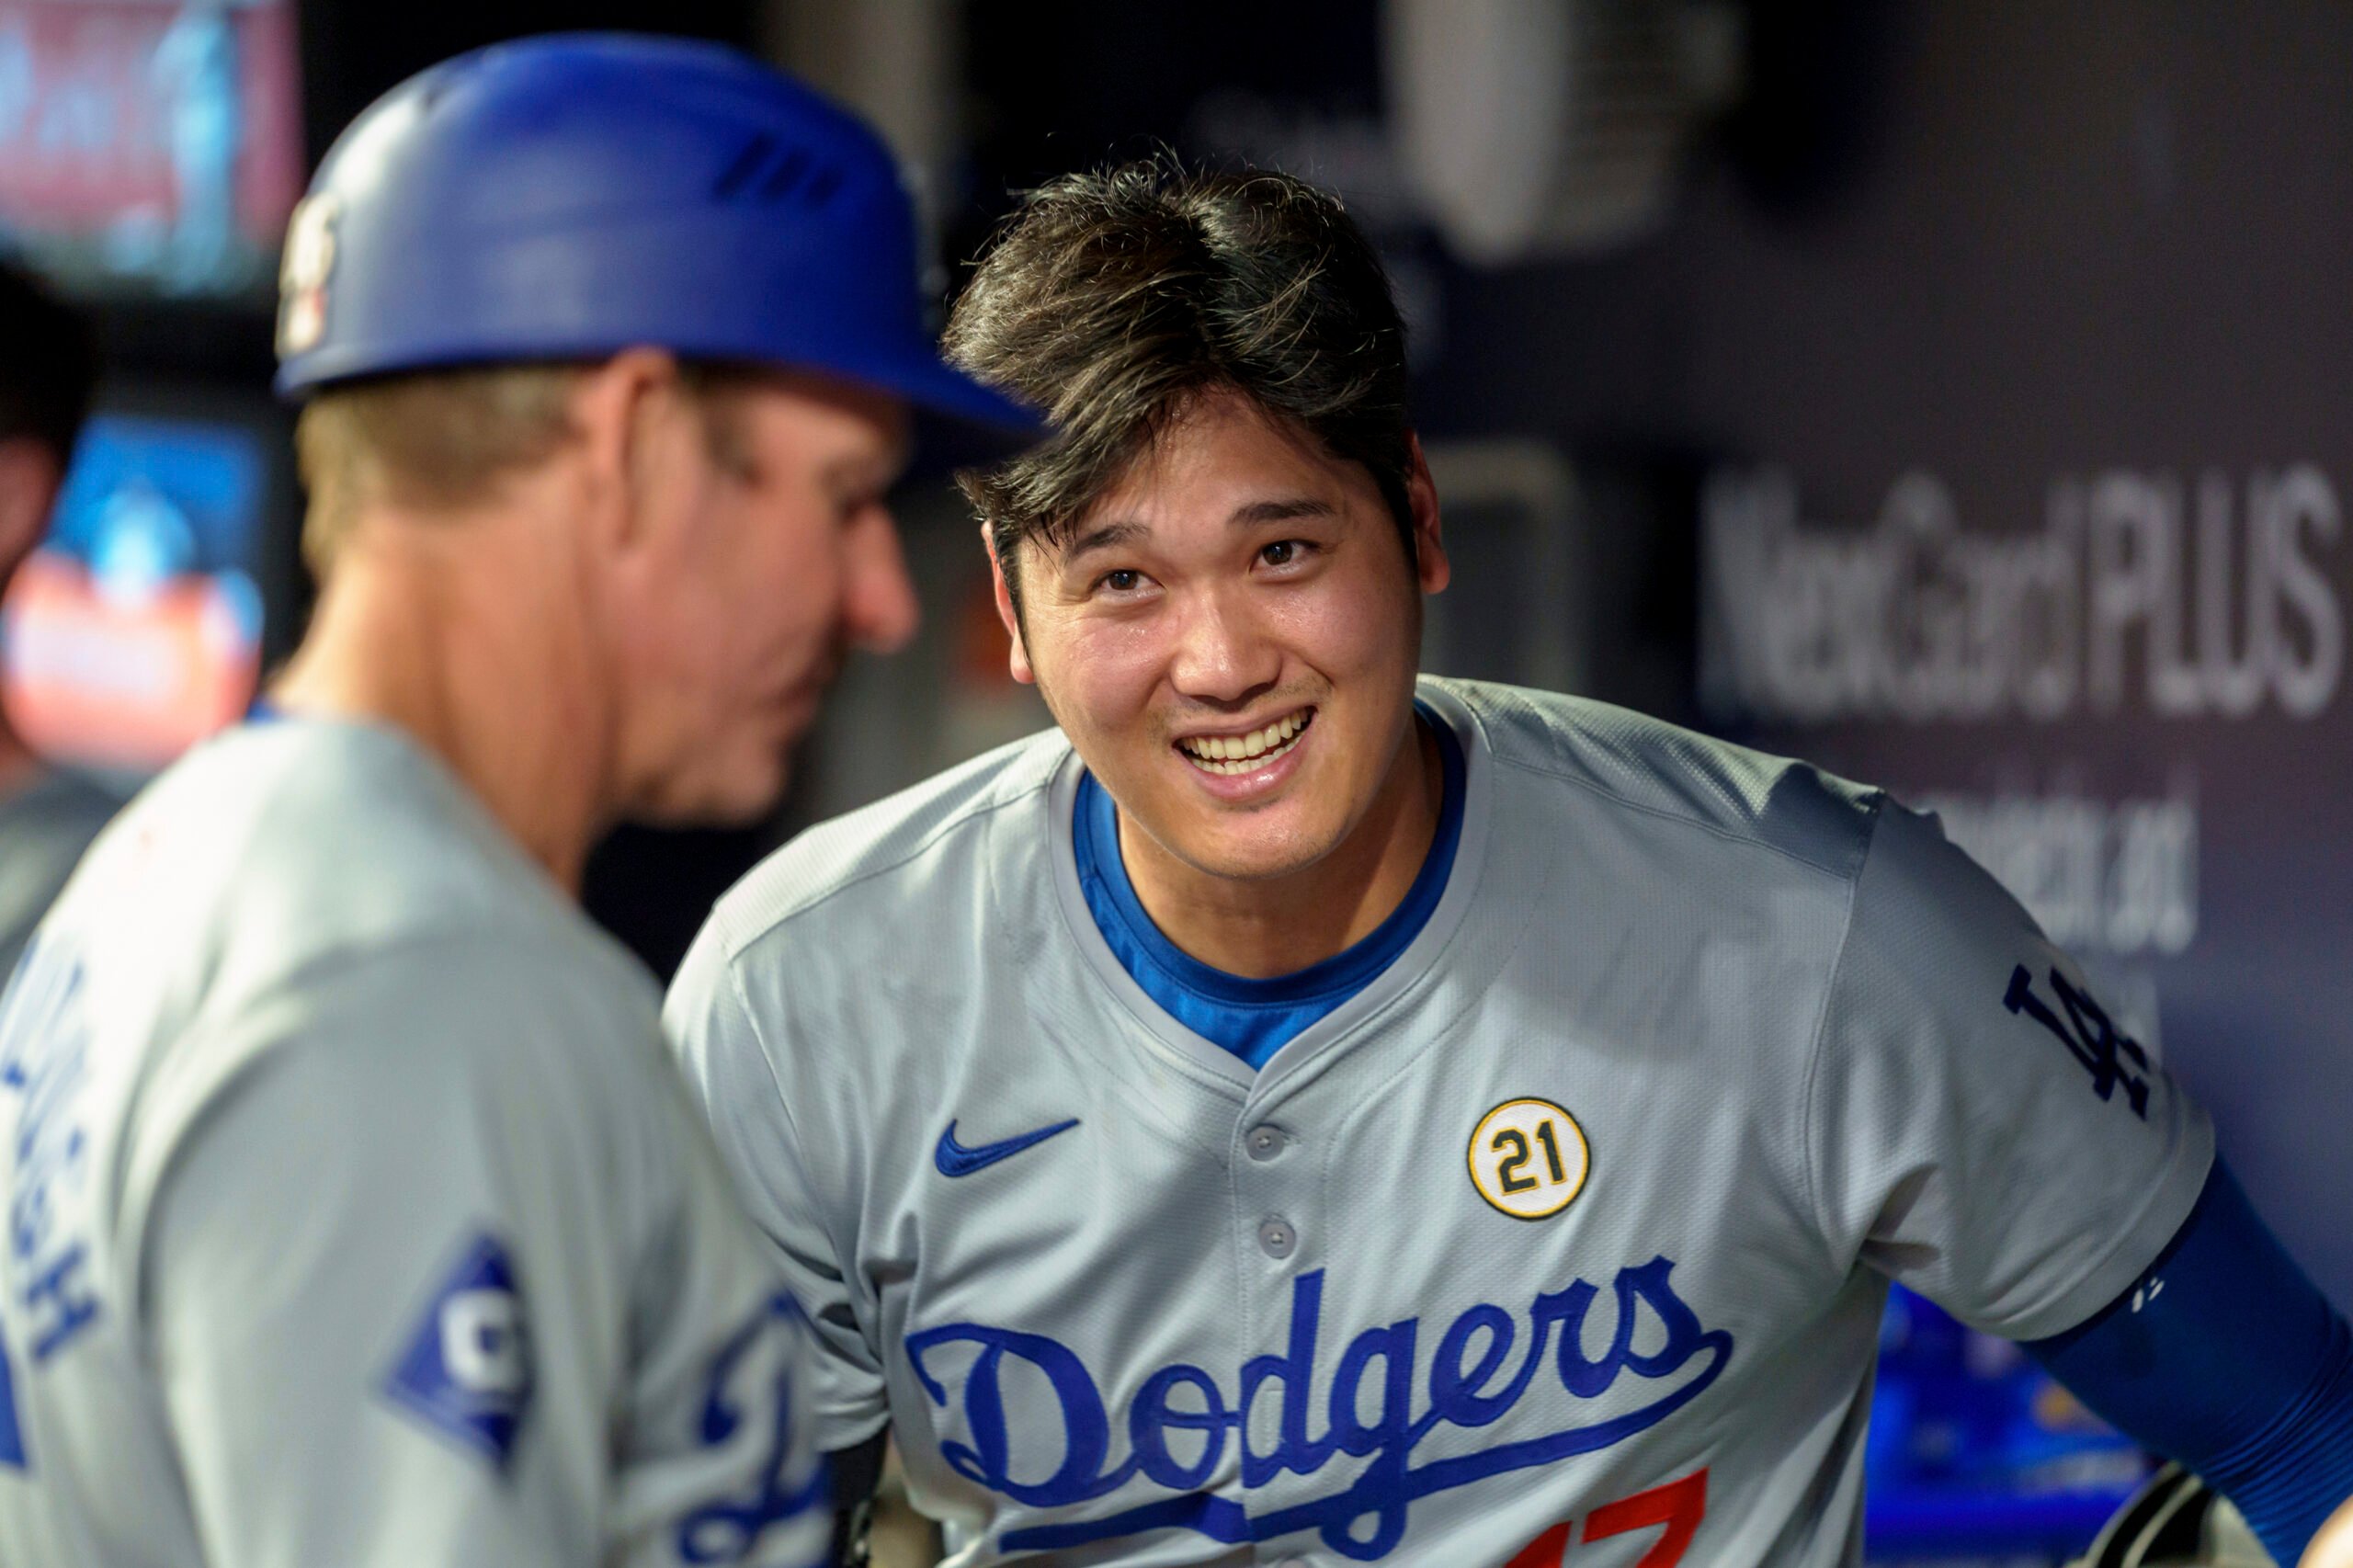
1230	641
770	555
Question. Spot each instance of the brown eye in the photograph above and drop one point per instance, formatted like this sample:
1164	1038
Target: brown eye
1123	581
1281	553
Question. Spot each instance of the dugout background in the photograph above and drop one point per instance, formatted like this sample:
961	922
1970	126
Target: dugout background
1959	398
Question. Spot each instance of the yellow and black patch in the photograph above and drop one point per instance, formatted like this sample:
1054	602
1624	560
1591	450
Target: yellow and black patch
1528	1158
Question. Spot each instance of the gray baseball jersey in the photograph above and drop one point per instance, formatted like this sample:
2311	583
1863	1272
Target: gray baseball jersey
357	1215
1572	1227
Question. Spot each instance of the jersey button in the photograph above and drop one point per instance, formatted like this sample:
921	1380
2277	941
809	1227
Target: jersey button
1277	1238
1264	1143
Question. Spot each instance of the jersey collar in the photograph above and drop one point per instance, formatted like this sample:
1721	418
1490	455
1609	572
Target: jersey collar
1411	966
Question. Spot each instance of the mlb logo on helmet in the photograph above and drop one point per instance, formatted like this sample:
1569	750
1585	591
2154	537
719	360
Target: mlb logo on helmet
302	276
467	1369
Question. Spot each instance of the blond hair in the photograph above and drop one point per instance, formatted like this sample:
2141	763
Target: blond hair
444	440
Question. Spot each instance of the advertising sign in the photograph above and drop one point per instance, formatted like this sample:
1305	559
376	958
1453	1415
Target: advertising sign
148	146
2130	707
135	629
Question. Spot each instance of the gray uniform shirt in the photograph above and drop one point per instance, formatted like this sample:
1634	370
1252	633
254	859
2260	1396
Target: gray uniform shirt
357	1215
44	826
1572	1227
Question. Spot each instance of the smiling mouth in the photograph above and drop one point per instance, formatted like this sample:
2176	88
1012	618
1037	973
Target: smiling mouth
1245	753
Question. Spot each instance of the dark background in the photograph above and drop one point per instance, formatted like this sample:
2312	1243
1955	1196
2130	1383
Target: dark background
1917	291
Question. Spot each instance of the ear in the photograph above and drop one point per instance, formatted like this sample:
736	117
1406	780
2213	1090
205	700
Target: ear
632	421
1429	546
1019	660
28	481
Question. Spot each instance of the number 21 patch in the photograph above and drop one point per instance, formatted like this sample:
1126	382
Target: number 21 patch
1528	1158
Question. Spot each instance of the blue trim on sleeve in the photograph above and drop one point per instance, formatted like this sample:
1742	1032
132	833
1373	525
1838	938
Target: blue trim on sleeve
1253	1019
2224	1355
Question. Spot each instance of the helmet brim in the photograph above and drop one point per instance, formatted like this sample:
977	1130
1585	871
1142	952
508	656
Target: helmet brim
959	421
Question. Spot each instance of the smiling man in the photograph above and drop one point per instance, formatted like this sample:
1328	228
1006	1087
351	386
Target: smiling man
1297	1111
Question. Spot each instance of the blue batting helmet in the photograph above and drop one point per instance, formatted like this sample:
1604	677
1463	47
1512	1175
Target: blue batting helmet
569	197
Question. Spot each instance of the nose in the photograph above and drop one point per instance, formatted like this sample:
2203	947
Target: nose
1222	653
879	609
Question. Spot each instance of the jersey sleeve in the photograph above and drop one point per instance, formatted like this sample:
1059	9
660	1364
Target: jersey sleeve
1980	1127
425	1284
723	1052
718	1461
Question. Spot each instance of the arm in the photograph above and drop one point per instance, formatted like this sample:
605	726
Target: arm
1981	1130
446	1272
1985	1132
2224	1355
725	1054
369	1353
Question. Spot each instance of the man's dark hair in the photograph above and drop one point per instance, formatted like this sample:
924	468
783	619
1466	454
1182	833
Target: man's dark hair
1113	299
49	365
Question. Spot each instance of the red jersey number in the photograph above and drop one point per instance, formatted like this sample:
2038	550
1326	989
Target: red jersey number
1678	1505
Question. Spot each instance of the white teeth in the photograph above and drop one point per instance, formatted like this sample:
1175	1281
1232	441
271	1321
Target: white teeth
1242	753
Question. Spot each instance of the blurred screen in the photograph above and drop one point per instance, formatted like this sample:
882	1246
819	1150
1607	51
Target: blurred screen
149	147
1975	1454
135	629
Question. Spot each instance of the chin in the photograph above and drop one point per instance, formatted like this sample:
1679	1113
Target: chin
1250	858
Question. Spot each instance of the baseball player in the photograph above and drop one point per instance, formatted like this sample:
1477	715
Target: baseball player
355	1214
48	365
1338	1116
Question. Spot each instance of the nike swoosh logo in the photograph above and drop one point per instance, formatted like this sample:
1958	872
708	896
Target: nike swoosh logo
955	1160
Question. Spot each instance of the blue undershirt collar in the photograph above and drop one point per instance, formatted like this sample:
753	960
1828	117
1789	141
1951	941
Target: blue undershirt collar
1253	1019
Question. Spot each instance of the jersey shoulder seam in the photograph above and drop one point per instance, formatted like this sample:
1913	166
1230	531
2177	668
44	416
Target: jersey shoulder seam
783	1100
826	1210
737	939
768	1058
1731	836
1818	1047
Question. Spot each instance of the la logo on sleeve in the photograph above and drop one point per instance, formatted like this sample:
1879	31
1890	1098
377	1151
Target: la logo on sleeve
1529	1158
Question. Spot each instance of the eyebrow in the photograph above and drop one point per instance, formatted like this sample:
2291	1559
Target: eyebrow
1112	535
1108	536
1281	511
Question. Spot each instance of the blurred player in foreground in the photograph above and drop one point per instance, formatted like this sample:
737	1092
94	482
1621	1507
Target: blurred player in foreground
1338	1116
357	1217
47	368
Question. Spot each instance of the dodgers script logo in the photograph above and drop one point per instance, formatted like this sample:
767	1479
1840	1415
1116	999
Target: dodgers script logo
1178	1441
